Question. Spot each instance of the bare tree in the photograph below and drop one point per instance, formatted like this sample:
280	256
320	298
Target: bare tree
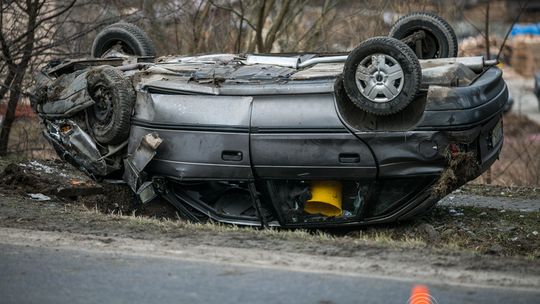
21	23
35	31
267	20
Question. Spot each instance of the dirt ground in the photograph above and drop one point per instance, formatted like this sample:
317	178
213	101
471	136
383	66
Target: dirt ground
483	231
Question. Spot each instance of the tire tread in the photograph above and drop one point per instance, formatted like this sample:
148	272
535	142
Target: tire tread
144	43
124	101
444	26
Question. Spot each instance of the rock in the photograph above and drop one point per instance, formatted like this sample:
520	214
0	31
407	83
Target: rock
429	232
495	249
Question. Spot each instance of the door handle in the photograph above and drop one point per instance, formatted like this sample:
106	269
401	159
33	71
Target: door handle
348	158
231	155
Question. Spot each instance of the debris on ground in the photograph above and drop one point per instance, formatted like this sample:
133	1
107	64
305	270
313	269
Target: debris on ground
48	177
40	197
55	178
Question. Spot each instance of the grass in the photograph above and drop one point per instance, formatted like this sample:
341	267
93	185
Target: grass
501	191
478	230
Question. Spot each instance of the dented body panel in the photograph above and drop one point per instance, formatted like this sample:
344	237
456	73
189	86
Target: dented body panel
240	140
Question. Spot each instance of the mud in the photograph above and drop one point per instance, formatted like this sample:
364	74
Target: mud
461	168
62	181
47	177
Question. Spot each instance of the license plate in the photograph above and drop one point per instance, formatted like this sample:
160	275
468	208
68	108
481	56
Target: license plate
496	134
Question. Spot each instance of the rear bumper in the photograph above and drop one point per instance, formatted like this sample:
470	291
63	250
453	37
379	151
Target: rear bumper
485	149
461	108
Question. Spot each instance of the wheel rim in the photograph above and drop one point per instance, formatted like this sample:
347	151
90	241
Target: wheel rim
103	105
379	78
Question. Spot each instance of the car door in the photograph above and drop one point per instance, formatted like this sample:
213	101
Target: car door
204	137
300	136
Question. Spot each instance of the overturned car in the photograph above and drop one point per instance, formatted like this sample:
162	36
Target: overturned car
308	140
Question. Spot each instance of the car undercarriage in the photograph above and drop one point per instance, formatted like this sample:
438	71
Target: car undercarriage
298	140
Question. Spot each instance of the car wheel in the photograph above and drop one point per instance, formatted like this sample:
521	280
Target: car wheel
382	76
429	35
127	38
114	97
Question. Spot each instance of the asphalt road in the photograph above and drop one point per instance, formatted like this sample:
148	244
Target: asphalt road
32	274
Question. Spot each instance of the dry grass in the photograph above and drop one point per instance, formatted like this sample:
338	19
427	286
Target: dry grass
460	167
210	226
476	230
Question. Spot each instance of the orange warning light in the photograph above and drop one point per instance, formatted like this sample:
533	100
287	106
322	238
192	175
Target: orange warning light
420	295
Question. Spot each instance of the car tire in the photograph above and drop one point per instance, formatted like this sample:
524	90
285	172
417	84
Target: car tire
110	117
382	76
131	39
440	40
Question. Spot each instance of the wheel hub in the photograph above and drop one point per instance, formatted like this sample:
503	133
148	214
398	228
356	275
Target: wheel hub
379	78
103	105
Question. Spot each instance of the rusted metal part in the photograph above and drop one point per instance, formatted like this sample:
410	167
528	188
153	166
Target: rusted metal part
414	37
